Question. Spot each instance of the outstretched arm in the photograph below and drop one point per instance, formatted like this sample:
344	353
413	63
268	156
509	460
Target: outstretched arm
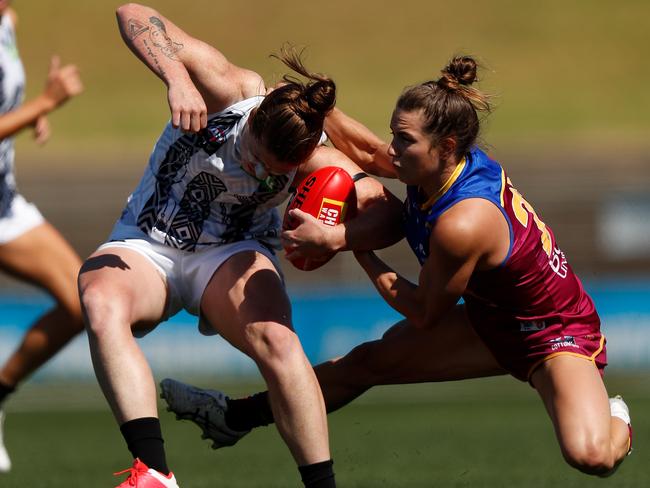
199	79
360	144
62	83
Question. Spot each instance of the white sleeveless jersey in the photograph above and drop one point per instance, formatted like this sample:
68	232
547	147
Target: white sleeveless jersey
12	87
194	192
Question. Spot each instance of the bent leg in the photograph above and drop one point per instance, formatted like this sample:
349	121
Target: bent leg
246	303
44	258
122	291
575	397
450	351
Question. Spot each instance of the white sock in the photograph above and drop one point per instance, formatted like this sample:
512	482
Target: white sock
619	409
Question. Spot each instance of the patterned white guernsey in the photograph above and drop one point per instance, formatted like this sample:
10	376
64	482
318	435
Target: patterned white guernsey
12	87
195	193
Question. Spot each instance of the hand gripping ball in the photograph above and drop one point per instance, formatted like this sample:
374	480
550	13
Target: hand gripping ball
326	194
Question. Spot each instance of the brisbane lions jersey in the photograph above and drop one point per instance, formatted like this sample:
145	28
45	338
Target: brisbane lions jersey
534	283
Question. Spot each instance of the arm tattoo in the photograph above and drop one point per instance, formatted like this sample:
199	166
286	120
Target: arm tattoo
160	39
158	23
134	28
154	58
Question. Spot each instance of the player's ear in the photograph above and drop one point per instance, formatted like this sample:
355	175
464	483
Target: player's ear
447	147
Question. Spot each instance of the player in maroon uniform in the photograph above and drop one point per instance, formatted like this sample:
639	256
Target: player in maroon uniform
524	312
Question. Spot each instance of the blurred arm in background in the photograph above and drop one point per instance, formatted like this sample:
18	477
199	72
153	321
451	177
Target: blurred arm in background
62	83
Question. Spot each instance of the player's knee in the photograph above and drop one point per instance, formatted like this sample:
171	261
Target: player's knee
591	457
271	344
101	307
394	330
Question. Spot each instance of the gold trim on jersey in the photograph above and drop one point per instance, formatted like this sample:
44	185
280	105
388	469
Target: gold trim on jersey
503	187
445	187
591	358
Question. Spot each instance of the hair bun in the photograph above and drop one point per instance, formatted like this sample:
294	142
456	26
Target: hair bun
460	71
320	95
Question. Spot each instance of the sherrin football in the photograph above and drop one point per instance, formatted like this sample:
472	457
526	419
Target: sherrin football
326	194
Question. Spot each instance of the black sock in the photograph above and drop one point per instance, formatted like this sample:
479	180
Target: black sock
318	475
144	439
248	413
5	391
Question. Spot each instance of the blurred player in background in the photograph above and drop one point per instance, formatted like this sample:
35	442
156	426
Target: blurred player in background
199	231
31	249
524	313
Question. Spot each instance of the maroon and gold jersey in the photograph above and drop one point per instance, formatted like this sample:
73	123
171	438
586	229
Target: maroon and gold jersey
534	294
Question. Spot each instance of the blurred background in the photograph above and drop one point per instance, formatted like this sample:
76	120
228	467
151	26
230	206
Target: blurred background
571	127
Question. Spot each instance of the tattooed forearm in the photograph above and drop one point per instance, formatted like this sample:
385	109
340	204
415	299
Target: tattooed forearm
134	28
154	59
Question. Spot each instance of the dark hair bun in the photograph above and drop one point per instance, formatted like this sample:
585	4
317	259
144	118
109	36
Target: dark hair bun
320	95
460	71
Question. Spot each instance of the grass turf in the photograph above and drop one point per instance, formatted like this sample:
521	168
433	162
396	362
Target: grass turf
481	433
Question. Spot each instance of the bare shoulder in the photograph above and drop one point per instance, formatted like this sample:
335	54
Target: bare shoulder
470	227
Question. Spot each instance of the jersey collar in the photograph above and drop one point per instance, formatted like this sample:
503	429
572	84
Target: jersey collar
446	186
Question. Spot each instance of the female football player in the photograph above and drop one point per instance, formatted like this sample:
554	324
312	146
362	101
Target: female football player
524	312
31	249
199	232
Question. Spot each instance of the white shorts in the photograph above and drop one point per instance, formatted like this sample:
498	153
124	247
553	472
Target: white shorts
186	274
21	217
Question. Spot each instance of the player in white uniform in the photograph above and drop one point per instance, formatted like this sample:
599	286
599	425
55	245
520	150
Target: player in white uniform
30	248
199	233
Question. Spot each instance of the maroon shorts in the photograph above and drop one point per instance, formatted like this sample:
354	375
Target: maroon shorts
520	346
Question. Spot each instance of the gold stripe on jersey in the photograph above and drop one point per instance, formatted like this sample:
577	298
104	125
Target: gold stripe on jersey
503	187
445	187
591	358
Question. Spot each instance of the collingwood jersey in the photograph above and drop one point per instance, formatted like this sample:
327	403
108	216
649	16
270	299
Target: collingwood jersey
12	86
195	193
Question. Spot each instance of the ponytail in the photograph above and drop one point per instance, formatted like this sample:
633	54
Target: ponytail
290	120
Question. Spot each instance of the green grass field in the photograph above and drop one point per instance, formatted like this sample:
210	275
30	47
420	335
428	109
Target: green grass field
481	433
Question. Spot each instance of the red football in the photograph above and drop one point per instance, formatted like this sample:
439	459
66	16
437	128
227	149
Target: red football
326	194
